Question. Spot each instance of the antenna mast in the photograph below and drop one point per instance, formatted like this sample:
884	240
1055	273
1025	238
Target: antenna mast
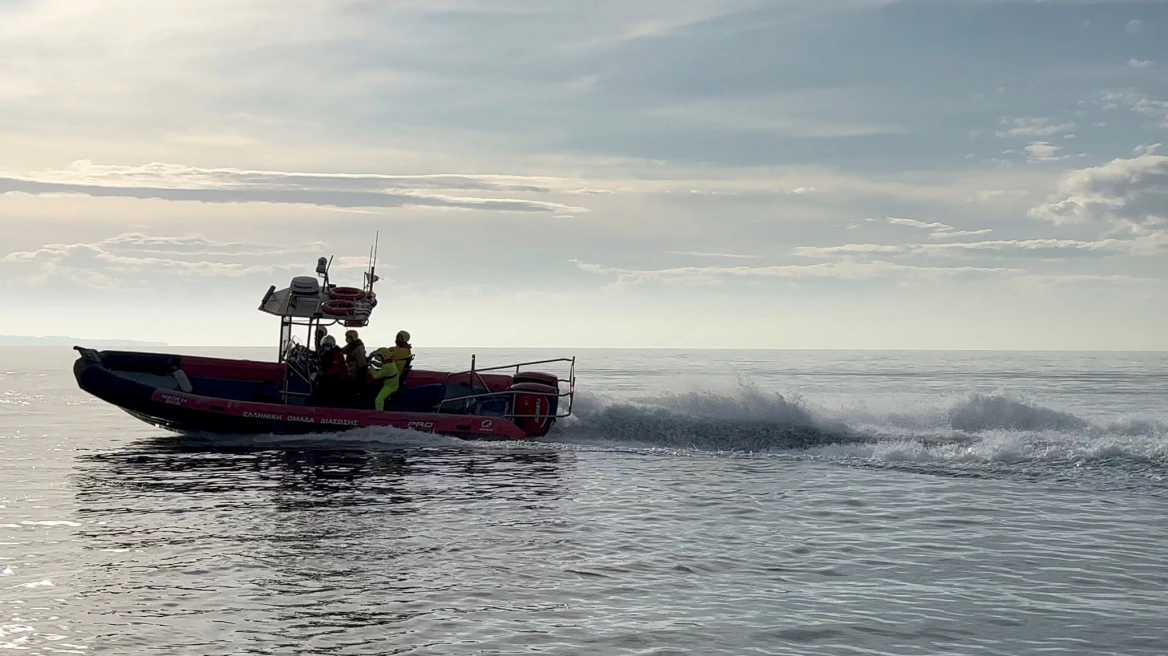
371	276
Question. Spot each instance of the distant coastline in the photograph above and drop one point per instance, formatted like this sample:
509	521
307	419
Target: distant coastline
54	340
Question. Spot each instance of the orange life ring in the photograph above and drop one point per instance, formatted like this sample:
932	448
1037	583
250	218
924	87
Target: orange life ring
346	294
338	307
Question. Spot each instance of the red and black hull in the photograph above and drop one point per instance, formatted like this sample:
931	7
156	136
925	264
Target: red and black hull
243	397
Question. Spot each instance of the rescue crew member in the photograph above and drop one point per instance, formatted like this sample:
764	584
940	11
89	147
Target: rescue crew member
321	333
389	366
354	353
331	379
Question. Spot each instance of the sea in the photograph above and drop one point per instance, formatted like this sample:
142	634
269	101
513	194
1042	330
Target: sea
696	502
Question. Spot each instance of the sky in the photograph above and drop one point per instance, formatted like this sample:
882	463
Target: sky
942	174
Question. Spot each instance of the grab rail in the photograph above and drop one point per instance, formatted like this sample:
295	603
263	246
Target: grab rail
475	370
559	395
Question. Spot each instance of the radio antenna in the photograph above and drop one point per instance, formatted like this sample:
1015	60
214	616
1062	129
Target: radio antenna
373	260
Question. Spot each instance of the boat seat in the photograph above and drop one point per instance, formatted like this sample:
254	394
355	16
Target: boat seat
184	383
424	399
405	371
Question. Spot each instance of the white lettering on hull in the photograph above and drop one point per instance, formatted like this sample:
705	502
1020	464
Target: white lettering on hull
339	422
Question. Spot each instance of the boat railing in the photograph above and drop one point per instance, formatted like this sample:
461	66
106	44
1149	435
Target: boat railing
475	370
293	360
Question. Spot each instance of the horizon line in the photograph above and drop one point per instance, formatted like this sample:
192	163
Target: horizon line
620	348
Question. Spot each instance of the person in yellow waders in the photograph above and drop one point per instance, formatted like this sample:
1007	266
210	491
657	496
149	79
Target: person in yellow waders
393	362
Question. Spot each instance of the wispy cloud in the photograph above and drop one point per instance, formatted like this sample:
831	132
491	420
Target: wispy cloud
1138	103
960	233
844	270
1041	151
1149	244
340	190
937	229
1031	126
913	223
729	256
135	258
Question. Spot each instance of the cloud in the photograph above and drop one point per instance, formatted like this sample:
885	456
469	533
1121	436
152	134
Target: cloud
990	194
1028	247
1134	25
1031	126
732	256
135	258
843	269
960	233
1041	151
1147	106
1128	192
939	230
1154	108
338	190
847	250
1138	63
913	223
1151	243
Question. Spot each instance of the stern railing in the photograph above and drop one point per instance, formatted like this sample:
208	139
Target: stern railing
474	370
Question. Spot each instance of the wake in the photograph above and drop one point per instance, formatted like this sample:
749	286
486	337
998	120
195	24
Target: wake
752	420
998	430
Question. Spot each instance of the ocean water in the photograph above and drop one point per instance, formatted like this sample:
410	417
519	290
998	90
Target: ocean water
698	502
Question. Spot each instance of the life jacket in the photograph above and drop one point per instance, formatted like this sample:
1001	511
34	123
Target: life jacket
333	364
401	355
355	360
395	360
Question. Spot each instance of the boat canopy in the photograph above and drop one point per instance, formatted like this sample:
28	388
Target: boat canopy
308	298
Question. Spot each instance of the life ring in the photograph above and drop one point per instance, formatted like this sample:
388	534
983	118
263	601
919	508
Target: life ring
338	307
346	294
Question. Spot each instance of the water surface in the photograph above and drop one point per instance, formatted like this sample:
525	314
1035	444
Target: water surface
698	503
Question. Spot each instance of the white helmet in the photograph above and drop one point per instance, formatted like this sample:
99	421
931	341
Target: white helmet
328	341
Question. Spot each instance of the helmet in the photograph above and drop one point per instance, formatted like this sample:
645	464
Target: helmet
403	336
350	334
329	341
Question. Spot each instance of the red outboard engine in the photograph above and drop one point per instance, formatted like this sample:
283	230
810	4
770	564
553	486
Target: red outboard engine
534	407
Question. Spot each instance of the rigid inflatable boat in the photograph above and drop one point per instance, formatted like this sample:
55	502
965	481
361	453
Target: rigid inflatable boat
199	394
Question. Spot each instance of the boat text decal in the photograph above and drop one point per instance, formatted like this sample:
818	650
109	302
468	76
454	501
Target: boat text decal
304	419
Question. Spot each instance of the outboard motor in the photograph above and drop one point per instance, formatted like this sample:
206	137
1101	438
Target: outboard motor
534	407
547	380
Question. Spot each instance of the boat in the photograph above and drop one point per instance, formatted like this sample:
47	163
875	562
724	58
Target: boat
191	394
